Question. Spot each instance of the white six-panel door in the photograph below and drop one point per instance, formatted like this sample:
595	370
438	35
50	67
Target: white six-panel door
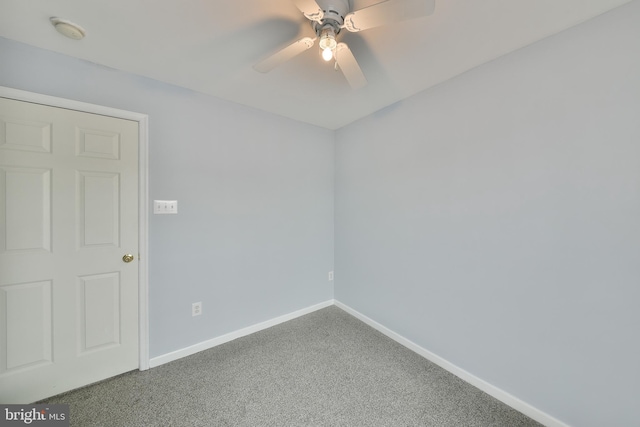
68	215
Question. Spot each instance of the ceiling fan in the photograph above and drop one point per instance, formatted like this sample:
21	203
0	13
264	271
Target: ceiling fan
329	17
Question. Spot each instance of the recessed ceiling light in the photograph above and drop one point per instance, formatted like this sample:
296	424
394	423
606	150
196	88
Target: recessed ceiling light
68	28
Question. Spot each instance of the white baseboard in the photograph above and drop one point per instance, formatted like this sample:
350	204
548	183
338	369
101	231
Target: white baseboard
205	345
488	388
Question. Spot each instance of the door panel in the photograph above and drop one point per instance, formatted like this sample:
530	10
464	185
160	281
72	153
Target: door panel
98	200
29	345
26	219
99	311
68	213
98	144
25	135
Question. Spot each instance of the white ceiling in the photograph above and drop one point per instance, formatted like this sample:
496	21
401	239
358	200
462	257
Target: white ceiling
210	46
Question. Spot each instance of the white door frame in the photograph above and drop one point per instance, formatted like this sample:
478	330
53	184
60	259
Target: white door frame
143	195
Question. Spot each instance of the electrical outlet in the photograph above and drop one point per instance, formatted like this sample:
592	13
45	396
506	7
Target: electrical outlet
196	309
330	276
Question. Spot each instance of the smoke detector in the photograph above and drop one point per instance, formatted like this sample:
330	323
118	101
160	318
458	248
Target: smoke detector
68	28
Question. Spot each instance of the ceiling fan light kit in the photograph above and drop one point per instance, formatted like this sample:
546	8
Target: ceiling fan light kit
328	17
328	42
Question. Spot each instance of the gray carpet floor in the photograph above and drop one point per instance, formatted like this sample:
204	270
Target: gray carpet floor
323	369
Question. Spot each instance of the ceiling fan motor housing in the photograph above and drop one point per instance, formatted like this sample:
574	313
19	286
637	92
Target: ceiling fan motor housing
334	13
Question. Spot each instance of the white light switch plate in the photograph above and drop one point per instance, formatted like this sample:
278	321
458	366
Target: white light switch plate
165	206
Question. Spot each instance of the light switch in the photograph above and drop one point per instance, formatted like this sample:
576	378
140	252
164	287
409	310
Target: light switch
165	206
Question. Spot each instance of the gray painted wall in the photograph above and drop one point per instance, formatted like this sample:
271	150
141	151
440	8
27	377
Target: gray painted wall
495	221
253	238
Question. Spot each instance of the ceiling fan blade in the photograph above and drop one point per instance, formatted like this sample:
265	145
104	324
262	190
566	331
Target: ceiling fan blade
283	55
388	12
310	9
349	66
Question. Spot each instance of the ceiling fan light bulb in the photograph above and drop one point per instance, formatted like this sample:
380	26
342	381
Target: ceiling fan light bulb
327	54
328	39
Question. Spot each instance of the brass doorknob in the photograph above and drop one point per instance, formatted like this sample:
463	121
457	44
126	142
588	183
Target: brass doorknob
127	258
